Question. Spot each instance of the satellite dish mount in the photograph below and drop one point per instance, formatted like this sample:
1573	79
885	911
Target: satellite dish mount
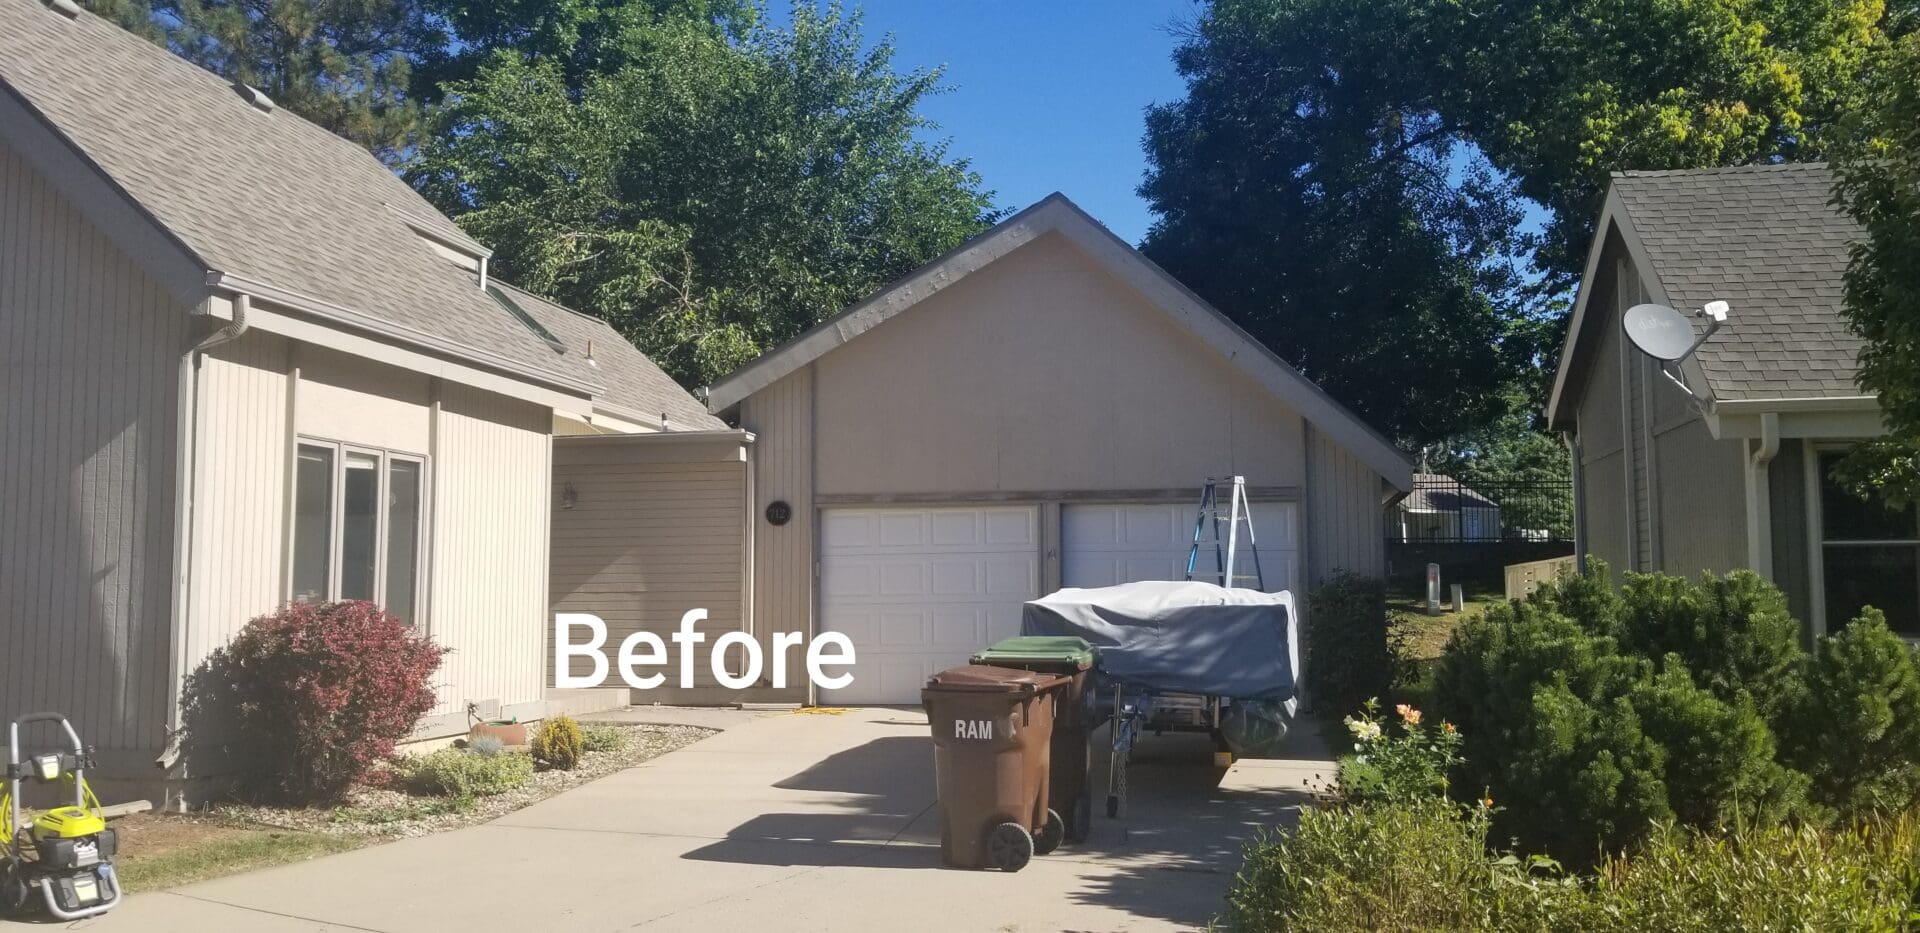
1667	336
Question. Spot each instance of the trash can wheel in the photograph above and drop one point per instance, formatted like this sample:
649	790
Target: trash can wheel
1051	835
1082	823
1113	805
1010	846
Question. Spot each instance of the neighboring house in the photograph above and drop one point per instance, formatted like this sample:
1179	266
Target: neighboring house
1441	508
244	364
1036	409
1741	479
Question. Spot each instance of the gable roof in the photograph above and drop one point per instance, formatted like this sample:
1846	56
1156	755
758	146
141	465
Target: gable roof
1056	214
1766	239
1438	492
635	388
260	202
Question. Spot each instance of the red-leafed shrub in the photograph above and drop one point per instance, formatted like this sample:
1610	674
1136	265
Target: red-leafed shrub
307	699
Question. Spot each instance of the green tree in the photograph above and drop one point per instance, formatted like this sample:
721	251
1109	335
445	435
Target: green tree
1298	193
711	197
1345	178
347	65
1878	184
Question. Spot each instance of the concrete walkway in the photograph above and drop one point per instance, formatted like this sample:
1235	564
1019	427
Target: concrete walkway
785	821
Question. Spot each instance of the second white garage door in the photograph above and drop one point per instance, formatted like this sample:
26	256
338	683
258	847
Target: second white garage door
919	590
1102	545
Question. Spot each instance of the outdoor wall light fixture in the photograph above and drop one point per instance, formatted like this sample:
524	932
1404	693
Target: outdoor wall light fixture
568	496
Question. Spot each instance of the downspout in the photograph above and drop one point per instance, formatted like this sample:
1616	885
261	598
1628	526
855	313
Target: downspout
1579	473
186	466
1759	497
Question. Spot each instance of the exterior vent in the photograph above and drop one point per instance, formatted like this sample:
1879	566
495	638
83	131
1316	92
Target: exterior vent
66	8
526	320
255	96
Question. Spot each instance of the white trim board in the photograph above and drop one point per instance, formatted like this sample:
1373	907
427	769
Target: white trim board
1057	214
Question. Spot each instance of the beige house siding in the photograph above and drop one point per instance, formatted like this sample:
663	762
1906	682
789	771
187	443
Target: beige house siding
1041	372
1703	511
240	490
781	417
1343	513
491	506
484	592
655	531
90	352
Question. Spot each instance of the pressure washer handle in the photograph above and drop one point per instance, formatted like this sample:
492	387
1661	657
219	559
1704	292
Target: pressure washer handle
13	734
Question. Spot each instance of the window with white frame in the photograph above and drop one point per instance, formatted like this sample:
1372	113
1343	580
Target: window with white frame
357	525
1869	555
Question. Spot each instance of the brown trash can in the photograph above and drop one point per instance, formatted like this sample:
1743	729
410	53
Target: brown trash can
992	731
1069	786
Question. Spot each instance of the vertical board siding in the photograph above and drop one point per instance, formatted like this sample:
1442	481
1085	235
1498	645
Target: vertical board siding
240	483
1343	513
644	543
782	417
89	355
492	461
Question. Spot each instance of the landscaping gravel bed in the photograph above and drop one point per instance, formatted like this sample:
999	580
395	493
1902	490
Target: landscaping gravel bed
391	812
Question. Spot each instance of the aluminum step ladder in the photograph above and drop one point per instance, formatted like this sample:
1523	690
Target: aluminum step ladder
1226	541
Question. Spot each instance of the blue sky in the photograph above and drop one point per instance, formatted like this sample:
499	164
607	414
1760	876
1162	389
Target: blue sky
1045	95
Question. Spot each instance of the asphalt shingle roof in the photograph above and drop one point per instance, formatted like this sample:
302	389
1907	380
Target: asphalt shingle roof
632	381
274	198
1767	240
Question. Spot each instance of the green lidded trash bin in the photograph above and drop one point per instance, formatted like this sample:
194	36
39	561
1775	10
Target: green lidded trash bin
1075	658
992	731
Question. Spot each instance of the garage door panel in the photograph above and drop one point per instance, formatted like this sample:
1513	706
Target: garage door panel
919	590
1105	545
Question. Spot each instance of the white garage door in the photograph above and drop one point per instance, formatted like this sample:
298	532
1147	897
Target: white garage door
1102	545
919	590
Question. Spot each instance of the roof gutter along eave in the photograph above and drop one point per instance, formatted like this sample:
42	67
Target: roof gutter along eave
339	315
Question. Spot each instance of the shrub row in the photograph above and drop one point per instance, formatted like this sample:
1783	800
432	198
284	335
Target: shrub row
1425	865
1593	715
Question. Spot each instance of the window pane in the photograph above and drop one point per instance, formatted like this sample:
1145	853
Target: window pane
1886	578
1847	517
403	536
359	531
312	523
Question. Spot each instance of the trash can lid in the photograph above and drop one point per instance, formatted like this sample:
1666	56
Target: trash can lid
982	678
1066	651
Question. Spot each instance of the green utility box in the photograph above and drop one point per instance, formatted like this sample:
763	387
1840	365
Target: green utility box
1075	658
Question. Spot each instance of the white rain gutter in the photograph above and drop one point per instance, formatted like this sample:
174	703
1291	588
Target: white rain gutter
186	483
1759	497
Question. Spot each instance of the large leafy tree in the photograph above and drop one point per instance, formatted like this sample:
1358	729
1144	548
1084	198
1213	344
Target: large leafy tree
347	65
1438	120
710	197
1878	183
1299	191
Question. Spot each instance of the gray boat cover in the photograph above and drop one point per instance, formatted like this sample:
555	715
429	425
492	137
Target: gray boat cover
1180	636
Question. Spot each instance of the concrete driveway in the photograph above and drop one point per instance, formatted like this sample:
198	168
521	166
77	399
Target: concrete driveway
782	822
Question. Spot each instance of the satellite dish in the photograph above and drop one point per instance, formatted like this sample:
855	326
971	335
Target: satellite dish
1659	332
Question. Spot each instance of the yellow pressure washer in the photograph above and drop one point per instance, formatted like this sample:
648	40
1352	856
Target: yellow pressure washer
66	853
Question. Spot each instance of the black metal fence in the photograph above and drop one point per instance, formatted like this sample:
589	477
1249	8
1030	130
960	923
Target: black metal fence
1444	510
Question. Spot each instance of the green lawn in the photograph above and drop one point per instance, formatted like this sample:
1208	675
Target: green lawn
169	850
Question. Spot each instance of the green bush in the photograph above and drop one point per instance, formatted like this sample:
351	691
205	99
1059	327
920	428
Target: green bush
1587	743
1733	633
559	743
1406	866
1856	727
603	738
453	772
1426	866
1349	654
